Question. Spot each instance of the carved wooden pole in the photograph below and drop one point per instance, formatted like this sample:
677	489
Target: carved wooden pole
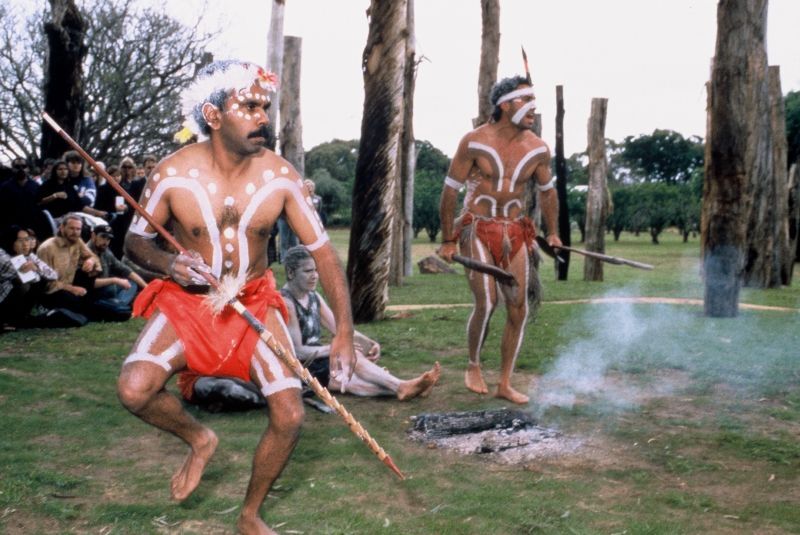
561	186
490	57
275	57
597	196
741	30
291	136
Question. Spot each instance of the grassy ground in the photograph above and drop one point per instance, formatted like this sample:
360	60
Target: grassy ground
684	424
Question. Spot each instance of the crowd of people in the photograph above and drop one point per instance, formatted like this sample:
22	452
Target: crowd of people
62	229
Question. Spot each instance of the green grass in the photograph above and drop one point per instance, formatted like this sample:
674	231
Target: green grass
689	424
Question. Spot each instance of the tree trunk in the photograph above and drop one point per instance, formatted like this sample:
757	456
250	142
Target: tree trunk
490	57
561	186
793	225
780	157
409	163
597	196
275	58
378	166
291	133
739	57
63	80
765	213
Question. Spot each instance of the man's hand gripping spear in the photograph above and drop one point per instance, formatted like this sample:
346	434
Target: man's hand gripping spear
234	303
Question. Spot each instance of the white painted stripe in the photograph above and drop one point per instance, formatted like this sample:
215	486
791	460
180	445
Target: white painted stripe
525	304
453	183
270	359
135	229
487	303
525	159
521	92
206	211
319	243
152	333
517	117
283	384
496	157
492	202
152	359
549	185
509	204
260	196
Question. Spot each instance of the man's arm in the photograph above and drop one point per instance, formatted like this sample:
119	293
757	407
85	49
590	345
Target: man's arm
453	182
101	282
549	200
363	343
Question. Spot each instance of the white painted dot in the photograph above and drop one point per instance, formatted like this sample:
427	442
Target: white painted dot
240	114
156	177
284	170
240	98
248	95
269	174
229	233
212	188
147	193
229	247
250	188
229	201
171	171
229	264
235	106
194	173
247	116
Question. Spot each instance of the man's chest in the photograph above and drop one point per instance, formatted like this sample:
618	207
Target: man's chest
505	167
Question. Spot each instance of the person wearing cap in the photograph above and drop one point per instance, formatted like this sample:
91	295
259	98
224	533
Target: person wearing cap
117	285
495	163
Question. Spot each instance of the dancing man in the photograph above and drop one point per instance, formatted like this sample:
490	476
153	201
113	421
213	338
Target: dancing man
221	197
495	162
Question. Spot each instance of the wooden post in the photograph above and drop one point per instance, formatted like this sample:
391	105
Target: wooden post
377	170
561	186
741	30
409	163
275	57
490	57
291	134
780	177
597	196
792	225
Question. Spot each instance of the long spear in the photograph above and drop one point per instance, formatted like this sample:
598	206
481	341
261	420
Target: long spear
591	254
234	303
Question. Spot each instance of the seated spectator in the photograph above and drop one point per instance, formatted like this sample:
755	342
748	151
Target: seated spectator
116	285
125	213
19	197
56	195
23	277
75	265
308	311
44	172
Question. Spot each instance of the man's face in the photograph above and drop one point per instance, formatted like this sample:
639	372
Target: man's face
20	168
515	108
75	167
244	121
127	171
71	230
100	242
149	165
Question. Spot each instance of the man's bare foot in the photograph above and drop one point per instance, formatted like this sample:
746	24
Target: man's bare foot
506	392
474	379
188	475
421	386
253	525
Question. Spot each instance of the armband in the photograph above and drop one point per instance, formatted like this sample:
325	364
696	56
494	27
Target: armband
549	185
453	183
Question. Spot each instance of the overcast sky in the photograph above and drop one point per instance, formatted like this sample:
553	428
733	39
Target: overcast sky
650	58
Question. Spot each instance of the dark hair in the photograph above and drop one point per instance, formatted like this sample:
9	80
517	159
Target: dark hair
294	257
218	97
52	175
504	86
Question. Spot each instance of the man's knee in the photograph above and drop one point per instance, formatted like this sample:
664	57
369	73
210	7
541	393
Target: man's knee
287	416
135	389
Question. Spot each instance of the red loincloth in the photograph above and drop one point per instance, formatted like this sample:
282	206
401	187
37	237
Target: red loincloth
503	236
216	345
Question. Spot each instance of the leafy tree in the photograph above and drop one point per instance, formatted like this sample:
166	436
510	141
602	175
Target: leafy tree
663	156
427	192
792	104
619	219
138	63
338	157
334	197
429	158
577	170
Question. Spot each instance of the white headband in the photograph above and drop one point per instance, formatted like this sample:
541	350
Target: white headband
521	92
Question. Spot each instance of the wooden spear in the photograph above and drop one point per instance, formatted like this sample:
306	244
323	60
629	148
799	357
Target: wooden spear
234	303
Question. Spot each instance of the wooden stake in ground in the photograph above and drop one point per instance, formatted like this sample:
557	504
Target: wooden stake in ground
234	303
597	198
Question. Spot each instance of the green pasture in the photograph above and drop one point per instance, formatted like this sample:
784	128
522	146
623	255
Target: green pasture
685	424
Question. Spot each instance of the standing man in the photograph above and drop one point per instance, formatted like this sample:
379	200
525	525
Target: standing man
495	162
221	198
